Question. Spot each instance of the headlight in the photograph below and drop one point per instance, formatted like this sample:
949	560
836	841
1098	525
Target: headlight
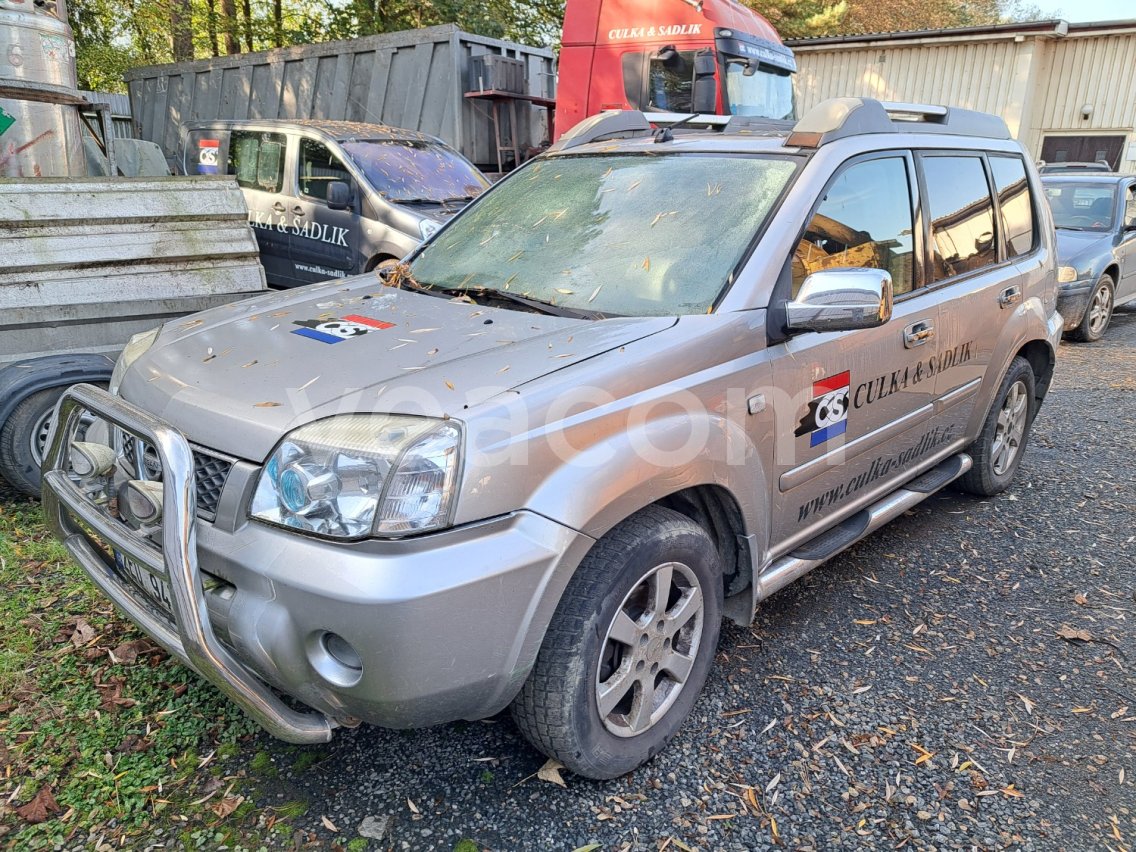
135	349
1066	274
363	474
428	227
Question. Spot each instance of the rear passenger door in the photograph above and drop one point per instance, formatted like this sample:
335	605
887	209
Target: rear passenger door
976	249
257	160
324	241
859	401
1126	251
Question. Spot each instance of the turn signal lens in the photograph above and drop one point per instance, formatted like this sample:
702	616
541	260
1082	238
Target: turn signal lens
1066	275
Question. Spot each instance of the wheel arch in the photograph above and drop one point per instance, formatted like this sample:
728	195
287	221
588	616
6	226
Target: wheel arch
1112	271
1043	360
20	380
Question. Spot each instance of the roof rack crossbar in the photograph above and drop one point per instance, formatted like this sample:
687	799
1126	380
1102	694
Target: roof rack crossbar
842	117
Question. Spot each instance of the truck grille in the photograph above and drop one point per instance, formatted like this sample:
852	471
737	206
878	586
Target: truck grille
210	473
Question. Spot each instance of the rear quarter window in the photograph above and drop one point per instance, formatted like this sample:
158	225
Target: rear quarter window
1016	204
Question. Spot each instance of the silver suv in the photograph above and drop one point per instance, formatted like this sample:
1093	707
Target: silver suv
638	386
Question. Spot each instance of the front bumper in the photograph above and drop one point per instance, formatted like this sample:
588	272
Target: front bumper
444	627
1073	301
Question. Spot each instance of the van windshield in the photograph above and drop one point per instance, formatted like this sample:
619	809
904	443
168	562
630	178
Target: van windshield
413	172
630	235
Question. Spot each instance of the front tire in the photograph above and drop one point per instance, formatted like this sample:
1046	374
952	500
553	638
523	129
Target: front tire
628	649
1099	312
998	451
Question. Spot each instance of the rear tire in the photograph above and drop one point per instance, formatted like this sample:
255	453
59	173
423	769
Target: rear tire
636	629
23	438
998	451
1098	314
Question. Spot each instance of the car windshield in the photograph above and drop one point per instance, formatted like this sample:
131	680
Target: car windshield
411	171
1081	206
631	235
761	92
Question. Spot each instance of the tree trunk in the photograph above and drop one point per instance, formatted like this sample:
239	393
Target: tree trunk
248	25
229	25
278	23
181	29
211	7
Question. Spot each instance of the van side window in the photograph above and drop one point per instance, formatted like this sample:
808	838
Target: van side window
864	220
318	168
1016	204
257	160
962	216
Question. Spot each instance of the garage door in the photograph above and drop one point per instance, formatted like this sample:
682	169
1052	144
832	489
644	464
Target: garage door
1083	149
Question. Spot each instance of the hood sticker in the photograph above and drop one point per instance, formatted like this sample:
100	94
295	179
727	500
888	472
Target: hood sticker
338	330
827	416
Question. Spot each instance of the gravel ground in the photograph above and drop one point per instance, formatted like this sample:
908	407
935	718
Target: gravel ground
964	678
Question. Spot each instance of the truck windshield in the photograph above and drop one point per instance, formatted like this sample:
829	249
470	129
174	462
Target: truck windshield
758	91
409	171
630	235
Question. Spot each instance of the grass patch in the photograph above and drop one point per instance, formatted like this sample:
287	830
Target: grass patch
100	731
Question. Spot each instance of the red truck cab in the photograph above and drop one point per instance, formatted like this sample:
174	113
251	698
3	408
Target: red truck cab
678	56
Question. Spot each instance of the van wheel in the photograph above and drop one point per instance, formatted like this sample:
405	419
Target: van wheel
1098	314
628	649
999	448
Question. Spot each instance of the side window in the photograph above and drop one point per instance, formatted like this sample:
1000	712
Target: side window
962	216
864	220
670	81
257	160
318	168
1016	203
1130	207
205	152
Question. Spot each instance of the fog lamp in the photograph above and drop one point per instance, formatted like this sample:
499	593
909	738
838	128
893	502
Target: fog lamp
140	503
91	459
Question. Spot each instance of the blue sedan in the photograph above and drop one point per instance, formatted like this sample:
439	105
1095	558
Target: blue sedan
1095	217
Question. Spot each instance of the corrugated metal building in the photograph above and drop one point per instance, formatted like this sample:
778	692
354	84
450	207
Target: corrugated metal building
1068	91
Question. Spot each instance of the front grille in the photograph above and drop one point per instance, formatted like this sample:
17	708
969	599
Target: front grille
210	474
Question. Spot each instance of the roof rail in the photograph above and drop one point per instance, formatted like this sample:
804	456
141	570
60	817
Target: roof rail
610	124
842	117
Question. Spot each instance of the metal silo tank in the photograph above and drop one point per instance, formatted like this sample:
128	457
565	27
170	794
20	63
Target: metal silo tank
40	126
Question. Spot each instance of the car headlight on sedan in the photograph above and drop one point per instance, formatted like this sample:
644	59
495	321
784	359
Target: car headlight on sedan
1066	274
135	348
360	475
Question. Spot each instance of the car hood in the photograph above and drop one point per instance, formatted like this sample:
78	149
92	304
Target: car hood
1080	249
237	378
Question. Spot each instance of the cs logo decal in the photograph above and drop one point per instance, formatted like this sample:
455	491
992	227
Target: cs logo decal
827	416
338	330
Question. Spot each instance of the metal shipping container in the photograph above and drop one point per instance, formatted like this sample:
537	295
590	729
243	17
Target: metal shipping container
416	79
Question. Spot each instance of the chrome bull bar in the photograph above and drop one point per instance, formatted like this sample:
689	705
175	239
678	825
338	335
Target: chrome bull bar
190	636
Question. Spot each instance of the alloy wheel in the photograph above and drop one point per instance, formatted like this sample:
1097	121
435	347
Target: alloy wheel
1010	428
1100	310
649	649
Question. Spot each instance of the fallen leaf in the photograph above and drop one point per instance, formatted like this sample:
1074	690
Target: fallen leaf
413	807
1029	705
776	780
1080	599
564	292
226	806
83	634
647	263
1071	634
40	807
865	621
591	847
449	384
267	405
328	824
128	652
550	772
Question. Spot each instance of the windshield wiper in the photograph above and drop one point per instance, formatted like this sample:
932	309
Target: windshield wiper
545	307
413	200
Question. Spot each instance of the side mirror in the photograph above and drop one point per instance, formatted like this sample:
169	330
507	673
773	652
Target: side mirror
841	300
338	195
704	94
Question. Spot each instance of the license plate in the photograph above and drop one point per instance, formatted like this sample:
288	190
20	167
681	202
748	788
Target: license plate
154	588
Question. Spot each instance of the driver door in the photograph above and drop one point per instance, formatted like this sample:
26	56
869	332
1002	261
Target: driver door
325	242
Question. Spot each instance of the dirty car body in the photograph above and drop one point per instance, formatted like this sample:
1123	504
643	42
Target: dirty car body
383	498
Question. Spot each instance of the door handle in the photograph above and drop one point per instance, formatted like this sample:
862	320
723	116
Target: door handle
917	334
1010	296
278	207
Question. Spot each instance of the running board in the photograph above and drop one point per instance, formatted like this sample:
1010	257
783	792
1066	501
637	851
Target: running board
862	524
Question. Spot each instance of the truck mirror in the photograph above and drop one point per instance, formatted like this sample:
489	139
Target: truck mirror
704	95
338	195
